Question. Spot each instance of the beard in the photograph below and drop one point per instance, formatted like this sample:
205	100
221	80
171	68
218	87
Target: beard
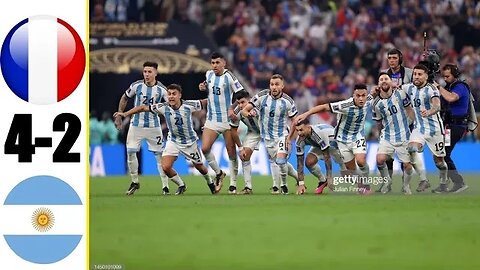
417	83
385	87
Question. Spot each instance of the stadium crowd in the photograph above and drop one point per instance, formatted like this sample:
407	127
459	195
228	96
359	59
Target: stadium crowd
322	48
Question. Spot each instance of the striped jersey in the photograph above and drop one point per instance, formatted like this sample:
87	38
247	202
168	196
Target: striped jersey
179	122
273	114
220	93
322	137
391	111
422	99
251	122
146	95
351	119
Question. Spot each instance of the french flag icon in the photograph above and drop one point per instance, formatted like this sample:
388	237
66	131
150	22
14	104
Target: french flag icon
43	59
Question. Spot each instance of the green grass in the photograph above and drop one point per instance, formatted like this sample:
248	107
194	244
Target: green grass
148	231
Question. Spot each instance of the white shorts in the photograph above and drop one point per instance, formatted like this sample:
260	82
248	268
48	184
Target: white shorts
334	153
349	150
251	140
216	126
191	152
387	148
153	136
275	147
436	143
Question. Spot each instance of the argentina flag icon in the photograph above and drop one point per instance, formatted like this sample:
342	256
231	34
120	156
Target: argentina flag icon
43	219
43	59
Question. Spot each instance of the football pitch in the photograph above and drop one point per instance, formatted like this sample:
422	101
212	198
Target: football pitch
197	230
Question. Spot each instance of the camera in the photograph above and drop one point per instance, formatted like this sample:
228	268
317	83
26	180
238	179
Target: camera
431	59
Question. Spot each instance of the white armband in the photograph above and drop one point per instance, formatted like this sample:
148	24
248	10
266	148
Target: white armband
301	183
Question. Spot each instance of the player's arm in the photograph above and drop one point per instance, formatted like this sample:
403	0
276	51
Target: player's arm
203	102
246	112
134	110
203	86
121	107
435	101
301	175
410	114
314	110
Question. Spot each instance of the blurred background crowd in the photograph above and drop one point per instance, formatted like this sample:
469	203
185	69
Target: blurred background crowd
322	48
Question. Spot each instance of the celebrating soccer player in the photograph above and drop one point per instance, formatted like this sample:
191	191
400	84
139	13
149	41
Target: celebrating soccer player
221	85
349	132
321	138
393	111
428	124
144	126
181	136
274	108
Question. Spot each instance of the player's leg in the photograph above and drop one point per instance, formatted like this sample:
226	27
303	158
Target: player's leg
282	163
384	153
407	177
233	164
415	146
192	153
311	162
209	136
359	149
169	156
404	157
247	170
436	144
133	146
272	155
348	159
154	139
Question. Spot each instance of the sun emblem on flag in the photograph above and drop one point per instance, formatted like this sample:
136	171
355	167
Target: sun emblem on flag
43	219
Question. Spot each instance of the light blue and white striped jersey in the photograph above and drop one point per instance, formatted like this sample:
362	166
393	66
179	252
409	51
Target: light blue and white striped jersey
351	119
322	137
273	114
422	99
220	93
391	111
179	122
146	95
251	122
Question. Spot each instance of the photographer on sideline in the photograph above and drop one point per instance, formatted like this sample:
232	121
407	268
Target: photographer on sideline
455	102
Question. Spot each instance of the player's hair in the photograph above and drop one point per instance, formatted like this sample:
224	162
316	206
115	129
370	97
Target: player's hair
150	64
359	86
277	76
453	69
241	94
422	67
175	86
303	122
216	55
382	73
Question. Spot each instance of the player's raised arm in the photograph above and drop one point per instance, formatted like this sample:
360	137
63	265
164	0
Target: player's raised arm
138	109
314	110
